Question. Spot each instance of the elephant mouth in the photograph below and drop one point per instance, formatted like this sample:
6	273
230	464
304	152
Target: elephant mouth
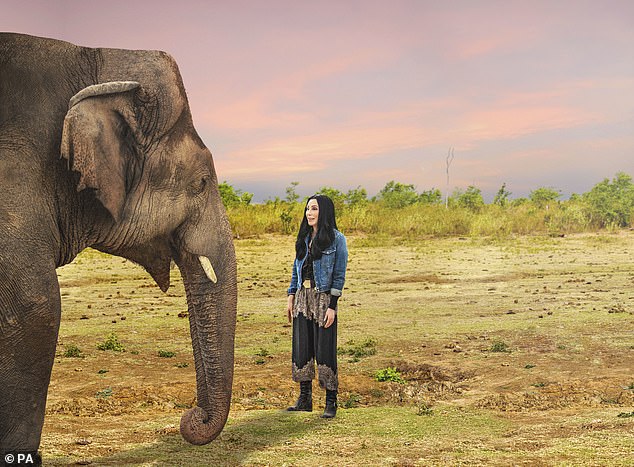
157	260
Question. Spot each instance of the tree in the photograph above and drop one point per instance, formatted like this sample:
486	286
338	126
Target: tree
398	195
232	197
335	195
502	196
356	197
291	193
612	203
471	199
544	197
449	160
433	196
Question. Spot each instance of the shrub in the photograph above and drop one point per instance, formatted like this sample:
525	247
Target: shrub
232	197
499	346
111	343
544	197
351	402
389	374
424	409
471	199
166	354
612	204
398	195
73	351
262	352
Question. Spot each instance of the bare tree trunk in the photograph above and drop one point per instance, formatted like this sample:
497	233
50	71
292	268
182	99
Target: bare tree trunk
449	161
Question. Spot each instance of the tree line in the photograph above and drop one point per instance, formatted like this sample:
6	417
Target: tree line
607	205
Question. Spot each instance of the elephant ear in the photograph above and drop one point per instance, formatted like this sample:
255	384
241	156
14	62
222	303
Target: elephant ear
99	142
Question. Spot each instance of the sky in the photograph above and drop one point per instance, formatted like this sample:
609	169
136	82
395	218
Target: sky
358	93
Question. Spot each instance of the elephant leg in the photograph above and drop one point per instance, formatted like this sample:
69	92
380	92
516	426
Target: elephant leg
29	325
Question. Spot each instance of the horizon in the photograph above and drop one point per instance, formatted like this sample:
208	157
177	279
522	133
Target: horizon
354	93
488	197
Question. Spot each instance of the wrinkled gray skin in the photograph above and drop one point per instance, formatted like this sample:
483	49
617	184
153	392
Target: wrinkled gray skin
120	168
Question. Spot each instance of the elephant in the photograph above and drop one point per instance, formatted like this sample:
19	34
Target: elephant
98	149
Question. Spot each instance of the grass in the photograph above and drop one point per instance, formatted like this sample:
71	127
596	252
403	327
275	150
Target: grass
358	350
432	310
428	220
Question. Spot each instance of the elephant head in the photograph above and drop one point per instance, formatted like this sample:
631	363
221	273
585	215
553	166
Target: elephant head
148	191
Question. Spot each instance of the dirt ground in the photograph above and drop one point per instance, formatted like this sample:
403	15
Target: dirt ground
536	333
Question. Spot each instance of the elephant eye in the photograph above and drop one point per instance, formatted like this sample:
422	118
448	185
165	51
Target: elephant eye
200	185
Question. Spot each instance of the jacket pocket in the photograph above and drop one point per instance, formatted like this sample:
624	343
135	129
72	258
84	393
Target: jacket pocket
326	267
328	258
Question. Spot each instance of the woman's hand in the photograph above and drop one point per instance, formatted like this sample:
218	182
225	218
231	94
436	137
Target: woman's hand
330	317
289	308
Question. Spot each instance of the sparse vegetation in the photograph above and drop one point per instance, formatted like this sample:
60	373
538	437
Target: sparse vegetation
400	210
104	393
111	343
499	346
262	352
412	296
358	350
166	354
72	351
389	374
425	409
351	401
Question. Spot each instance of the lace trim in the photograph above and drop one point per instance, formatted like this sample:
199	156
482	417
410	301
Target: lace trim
306	373
312	304
328	378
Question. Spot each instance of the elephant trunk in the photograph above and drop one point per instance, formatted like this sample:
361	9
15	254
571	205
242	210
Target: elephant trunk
212	320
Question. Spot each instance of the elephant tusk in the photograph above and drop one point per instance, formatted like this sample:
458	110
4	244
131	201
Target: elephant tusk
208	268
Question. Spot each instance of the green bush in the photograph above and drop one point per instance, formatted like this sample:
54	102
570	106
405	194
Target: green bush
612	204
166	354
389	374
111	343
351	402
262	352
72	351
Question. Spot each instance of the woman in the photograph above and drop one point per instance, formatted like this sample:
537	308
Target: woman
319	272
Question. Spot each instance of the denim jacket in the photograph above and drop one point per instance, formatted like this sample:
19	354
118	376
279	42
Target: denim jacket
329	270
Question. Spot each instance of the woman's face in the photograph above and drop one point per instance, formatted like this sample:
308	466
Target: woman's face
312	213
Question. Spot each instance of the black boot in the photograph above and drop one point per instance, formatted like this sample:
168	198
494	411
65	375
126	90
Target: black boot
305	401
331	404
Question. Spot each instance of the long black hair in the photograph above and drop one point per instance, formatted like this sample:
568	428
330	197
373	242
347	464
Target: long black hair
326	225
